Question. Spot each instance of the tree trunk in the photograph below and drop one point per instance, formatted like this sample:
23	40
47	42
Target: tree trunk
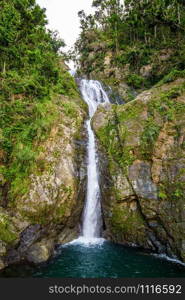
4	67
179	15
116	31
155	31
164	38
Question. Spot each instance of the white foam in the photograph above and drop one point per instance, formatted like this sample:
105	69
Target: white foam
166	257
86	242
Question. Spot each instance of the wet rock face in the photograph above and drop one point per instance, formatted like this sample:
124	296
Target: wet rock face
53	204
142	168
140	178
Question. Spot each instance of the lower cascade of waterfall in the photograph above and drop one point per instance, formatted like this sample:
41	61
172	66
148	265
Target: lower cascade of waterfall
93	94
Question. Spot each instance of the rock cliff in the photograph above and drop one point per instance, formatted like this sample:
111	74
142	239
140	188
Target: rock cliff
142	169
49	211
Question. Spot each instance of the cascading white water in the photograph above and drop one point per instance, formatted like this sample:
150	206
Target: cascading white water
92	211
93	94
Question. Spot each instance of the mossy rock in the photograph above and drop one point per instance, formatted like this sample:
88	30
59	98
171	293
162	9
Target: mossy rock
8	233
127	223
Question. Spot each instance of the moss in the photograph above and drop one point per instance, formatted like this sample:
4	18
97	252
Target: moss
162	195
114	146
173	75
125	222
134	80
6	233
56	154
178	191
111	81
129	111
173	191
148	138
41	214
115	133
165	103
69	109
59	213
44	213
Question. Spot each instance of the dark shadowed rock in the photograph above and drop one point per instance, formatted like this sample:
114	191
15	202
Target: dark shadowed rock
29	236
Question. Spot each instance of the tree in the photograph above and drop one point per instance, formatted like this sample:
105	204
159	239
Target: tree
31	71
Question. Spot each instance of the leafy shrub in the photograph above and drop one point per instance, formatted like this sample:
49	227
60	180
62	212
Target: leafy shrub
135	81
149	136
32	73
173	75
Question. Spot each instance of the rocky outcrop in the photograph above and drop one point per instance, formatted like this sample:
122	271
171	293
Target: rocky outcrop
49	212
114	77
127	71
142	169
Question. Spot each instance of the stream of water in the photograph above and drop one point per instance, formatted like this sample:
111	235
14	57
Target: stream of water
93	94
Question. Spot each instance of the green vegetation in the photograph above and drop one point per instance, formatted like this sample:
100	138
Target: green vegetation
135	80
149	136
142	41
32	74
173	75
116	131
6	233
110	139
165	103
124	221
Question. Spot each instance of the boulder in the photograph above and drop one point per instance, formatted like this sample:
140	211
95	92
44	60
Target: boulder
40	252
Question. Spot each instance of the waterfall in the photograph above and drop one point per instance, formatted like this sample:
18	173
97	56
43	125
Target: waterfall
93	94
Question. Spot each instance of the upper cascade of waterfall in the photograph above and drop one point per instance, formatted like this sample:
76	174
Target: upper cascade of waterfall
93	94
